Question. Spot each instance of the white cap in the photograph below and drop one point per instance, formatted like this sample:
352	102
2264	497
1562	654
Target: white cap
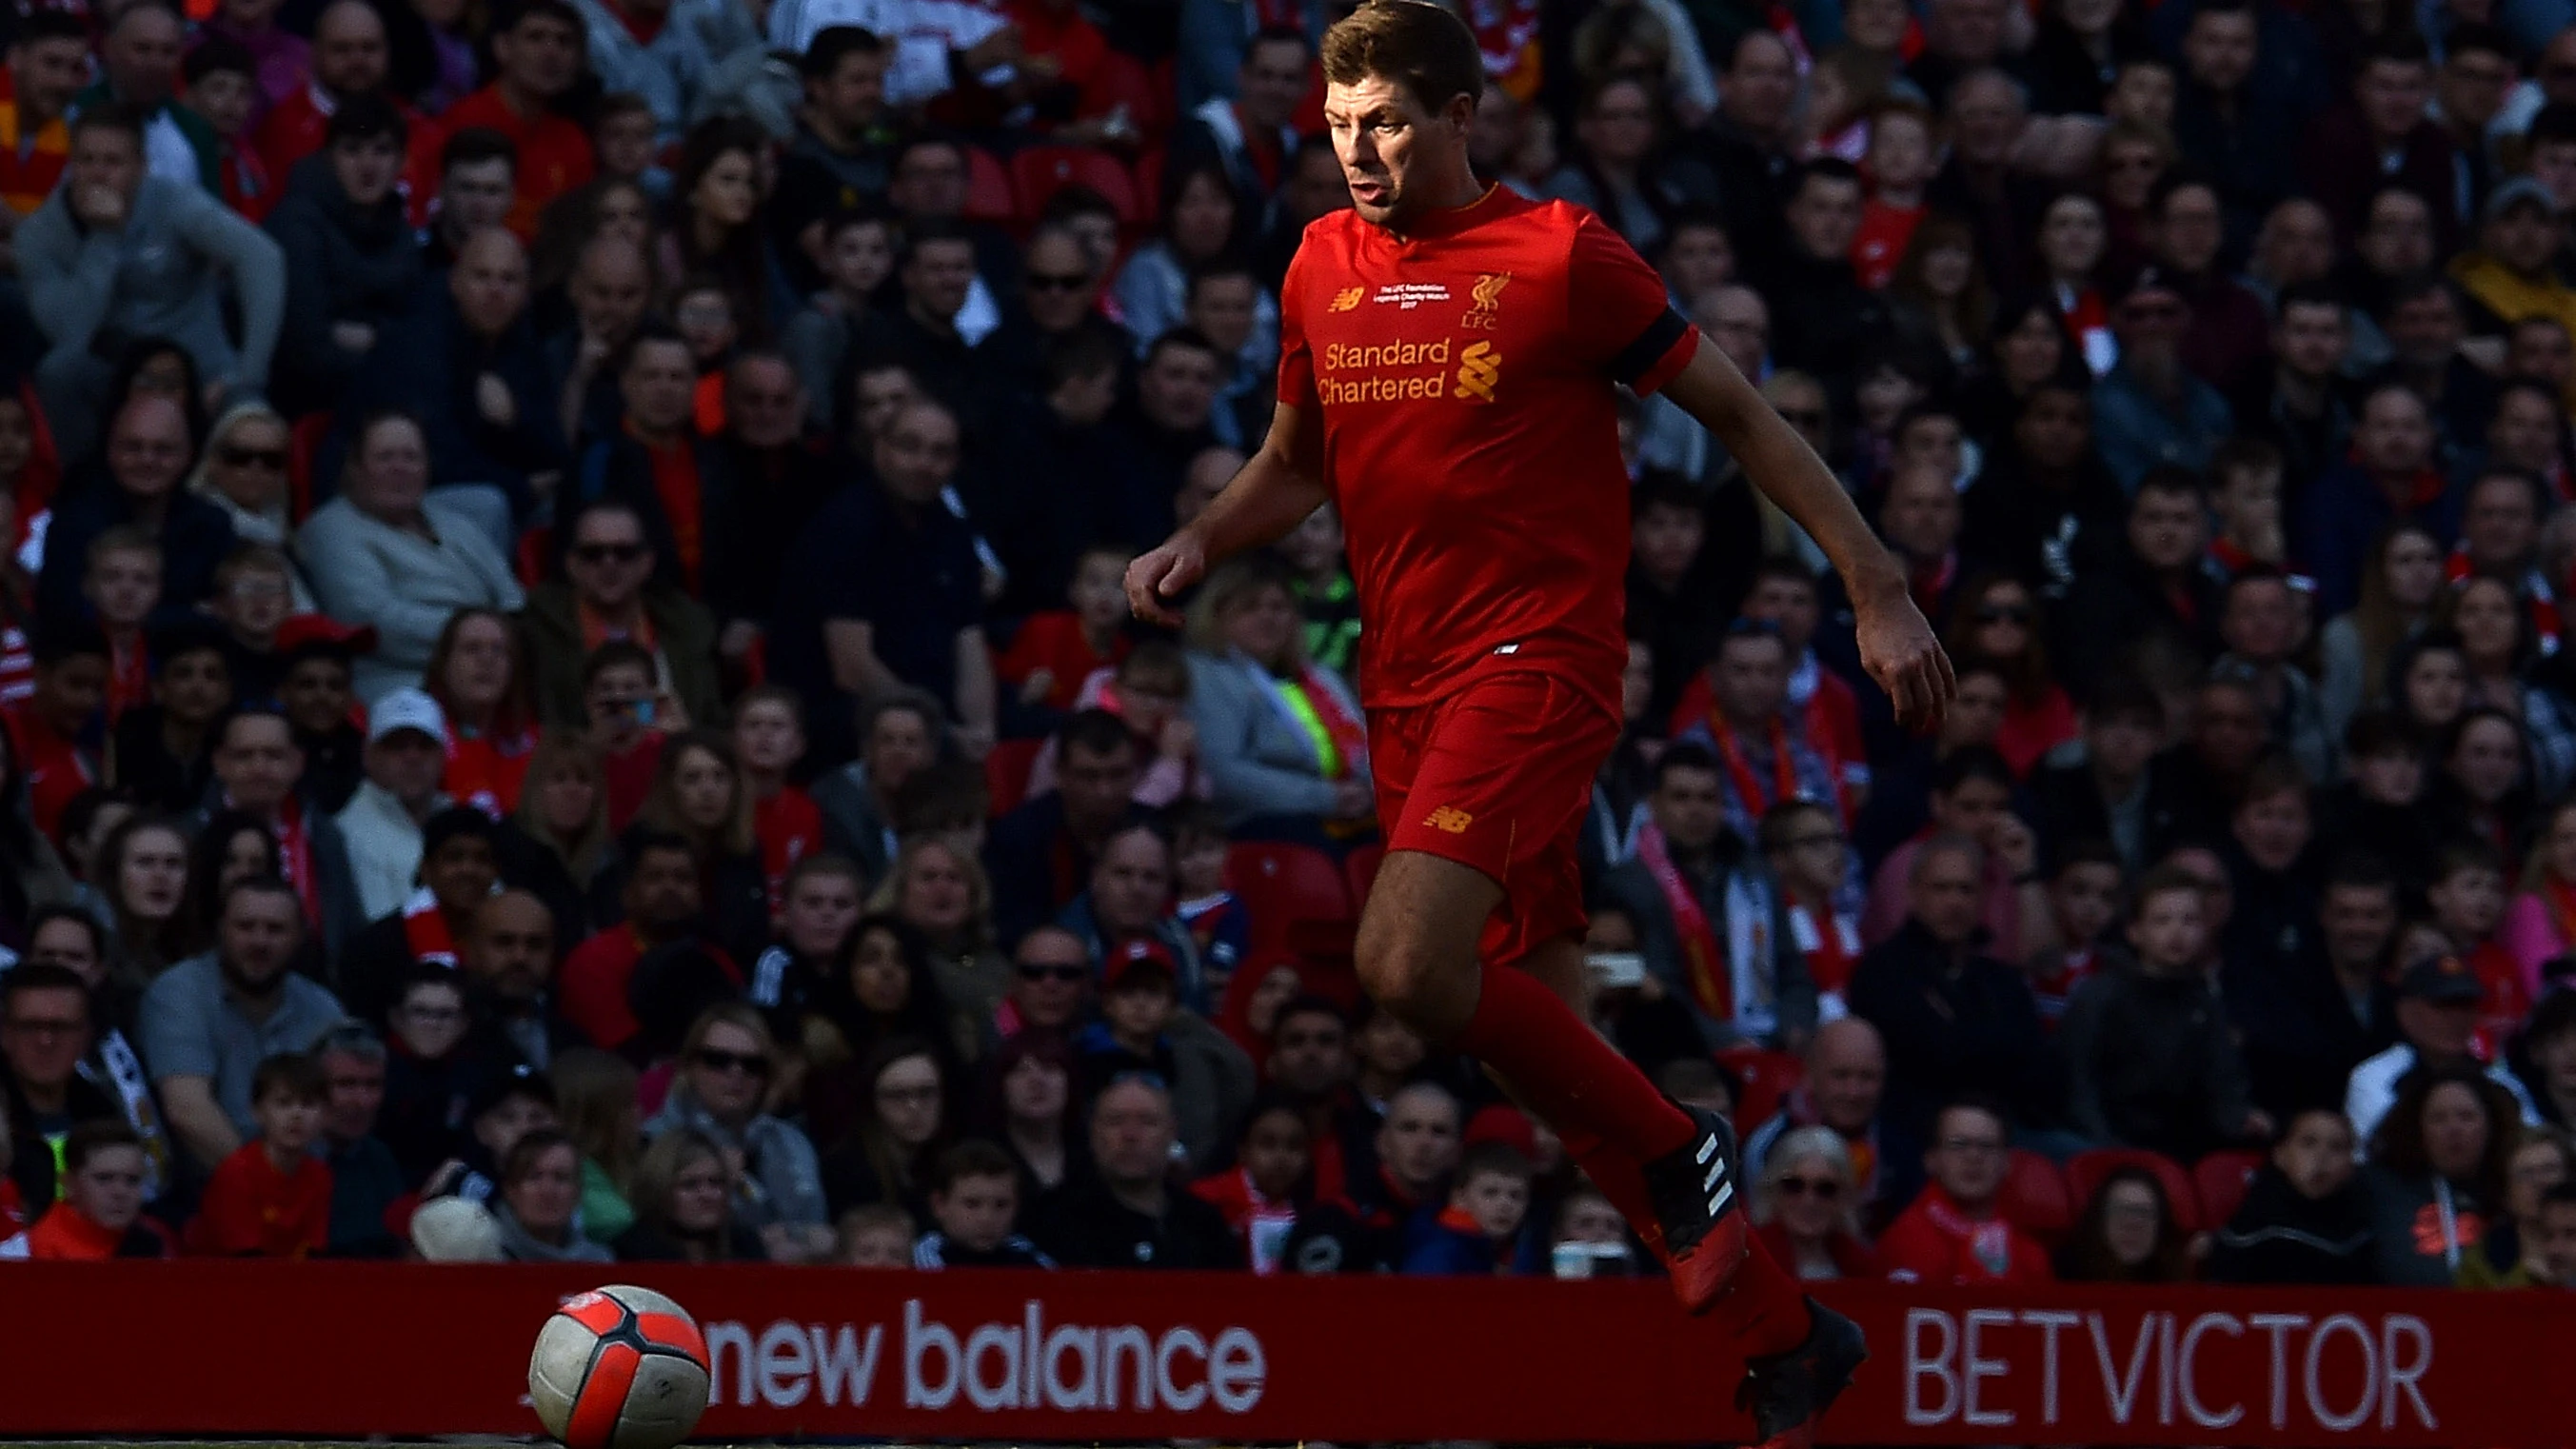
406	709
454	1230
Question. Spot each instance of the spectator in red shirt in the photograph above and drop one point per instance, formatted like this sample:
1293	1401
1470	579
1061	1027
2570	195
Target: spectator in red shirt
100	1215
538	52
272	1197
1056	651
630	716
349	59
768	740
221	89
663	904
1902	159
48	726
1952	1234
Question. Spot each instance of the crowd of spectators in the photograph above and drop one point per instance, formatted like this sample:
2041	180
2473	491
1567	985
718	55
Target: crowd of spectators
569	694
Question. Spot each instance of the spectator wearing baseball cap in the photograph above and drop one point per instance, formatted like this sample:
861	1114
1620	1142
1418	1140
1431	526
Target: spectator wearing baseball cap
406	758
2513	272
1144	1028
2438	1000
2148	409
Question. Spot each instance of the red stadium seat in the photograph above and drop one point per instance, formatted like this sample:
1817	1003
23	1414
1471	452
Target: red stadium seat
2034	1198
1361	870
988	188
1149	184
303	445
2220	1182
2084	1175
1296	896
536	554
1006	772
1039	172
1764	1077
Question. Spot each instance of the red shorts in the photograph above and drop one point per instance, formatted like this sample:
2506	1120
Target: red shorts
1498	777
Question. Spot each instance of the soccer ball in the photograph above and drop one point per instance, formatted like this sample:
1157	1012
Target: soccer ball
619	1368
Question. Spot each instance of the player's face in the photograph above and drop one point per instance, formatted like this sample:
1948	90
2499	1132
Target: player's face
1398	156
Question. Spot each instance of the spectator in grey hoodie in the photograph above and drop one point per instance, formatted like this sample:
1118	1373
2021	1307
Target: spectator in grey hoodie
353	262
114	254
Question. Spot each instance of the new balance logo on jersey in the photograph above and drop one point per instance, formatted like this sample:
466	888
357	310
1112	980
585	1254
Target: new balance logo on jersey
1449	820
1479	368
1348	297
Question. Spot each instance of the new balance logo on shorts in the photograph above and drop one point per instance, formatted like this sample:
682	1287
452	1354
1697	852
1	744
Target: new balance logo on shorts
1449	820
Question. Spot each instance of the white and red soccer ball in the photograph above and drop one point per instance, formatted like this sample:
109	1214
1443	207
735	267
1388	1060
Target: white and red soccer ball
619	1368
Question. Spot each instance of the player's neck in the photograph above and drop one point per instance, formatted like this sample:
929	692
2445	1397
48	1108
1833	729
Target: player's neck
1438	213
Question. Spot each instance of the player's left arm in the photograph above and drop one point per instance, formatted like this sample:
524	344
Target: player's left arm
1896	644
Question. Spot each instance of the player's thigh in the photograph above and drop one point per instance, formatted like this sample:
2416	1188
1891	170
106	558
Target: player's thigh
1425	914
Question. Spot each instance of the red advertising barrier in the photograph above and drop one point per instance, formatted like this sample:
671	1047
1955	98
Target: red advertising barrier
348	1350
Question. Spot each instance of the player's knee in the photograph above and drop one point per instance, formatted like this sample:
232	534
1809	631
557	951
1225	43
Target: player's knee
1404	972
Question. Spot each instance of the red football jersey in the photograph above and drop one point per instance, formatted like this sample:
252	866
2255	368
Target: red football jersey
1463	376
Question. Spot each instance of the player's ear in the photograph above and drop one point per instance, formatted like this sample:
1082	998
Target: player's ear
1460	113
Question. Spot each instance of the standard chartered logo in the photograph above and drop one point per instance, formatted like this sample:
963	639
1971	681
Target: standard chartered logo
1479	368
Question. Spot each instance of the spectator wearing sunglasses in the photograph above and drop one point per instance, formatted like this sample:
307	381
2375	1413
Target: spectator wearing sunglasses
1051	974
726	1064
243	471
608	589
1803	1207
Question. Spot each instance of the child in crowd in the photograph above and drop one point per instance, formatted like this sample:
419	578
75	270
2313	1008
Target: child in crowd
52	728
2084	898
1803	841
254	594
2468	899
1474	1233
622	137
705	312
1139	995
1056	652
220	85
1214	916
2304	1218
161	751
2150	1059
272	1197
317	689
123	587
1325	593
1271	1176
100	1215
854	249
769	740
1150	690
878	1235
975	1198
1901	161
629	719
2245	499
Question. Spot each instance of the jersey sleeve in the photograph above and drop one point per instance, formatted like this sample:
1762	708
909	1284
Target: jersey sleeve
1296	359
1618	314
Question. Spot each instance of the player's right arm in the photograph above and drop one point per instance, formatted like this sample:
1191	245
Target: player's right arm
1282	484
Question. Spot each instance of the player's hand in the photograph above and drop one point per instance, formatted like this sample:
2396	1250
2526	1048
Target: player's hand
1156	579
1899	651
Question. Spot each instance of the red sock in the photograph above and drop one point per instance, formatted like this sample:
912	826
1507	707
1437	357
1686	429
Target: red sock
1562	1070
1764	1310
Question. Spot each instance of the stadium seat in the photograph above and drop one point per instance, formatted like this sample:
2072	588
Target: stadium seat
1125	80
1763	1078
988	188
2084	1174
1006	772
303	445
1039	172
2034	1198
1361	870
536	555
1149	184
1296	896
2220	1182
